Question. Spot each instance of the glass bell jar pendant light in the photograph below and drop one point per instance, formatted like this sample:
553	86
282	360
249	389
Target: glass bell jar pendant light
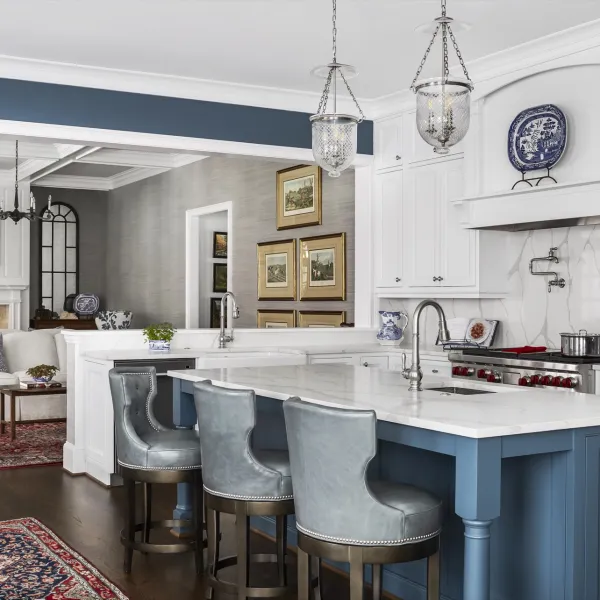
443	103
333	133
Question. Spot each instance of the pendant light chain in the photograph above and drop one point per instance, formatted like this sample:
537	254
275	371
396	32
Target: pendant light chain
458	53
17	175
334	32
424	59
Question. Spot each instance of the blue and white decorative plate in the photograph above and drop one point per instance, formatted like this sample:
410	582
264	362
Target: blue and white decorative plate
537	138
86	305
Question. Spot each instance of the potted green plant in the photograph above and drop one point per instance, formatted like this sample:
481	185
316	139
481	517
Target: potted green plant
159	336
42	373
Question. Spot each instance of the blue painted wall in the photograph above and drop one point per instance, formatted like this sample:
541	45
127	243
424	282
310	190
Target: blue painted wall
124	111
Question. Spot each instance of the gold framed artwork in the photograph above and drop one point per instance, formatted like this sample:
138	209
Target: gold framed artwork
323	267
215	313
324	318
299	197
275	319
219	244
219	278
276	270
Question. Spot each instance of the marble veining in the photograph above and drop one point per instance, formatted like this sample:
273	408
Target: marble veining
529	314
509	411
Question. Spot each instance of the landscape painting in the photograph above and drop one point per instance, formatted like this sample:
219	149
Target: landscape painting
322	267
275	319
276	265
299	197
276	269
219	278
219	244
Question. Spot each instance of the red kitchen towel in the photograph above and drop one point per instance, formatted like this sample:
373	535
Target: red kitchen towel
525	349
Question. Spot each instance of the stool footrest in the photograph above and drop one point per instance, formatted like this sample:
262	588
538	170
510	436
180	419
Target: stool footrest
146	547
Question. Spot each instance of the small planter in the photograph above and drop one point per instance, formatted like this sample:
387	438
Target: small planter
43	379
159	345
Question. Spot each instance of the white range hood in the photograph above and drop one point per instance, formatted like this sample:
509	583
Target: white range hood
544	207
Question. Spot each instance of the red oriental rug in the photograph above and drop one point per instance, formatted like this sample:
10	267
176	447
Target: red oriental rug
37	565
37	444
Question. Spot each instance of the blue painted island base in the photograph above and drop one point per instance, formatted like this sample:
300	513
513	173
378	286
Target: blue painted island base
521	512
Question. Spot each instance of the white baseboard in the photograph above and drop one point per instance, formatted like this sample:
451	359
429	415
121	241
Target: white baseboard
73	458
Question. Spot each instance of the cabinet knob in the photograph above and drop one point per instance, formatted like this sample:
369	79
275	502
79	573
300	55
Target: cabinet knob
398	157
398	280
434	370
435	279
365	364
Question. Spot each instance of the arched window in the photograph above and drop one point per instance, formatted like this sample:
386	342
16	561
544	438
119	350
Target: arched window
59	256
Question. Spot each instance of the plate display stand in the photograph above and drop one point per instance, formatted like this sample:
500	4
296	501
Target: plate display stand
529	180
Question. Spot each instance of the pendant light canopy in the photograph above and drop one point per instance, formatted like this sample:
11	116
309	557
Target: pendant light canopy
443	103
334	134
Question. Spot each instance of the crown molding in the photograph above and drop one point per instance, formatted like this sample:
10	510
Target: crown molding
74	182
13	67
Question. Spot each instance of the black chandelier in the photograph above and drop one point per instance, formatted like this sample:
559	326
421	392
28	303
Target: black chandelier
16	215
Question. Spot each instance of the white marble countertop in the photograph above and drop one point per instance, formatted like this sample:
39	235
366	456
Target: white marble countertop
506	412
145	354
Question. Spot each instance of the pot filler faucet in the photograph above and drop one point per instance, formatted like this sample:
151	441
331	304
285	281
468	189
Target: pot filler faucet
235	313
415	374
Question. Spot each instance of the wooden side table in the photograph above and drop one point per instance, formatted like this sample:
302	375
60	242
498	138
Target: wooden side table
15	391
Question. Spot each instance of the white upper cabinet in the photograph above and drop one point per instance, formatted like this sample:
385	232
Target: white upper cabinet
388	143
388	214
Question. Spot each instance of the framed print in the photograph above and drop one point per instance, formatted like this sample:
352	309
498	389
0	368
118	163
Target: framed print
275	319
219	278
299	197
219	244
323	267
325	318
215	313
276	270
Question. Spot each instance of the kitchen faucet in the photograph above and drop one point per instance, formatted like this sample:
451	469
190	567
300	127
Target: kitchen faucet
415	374
235	313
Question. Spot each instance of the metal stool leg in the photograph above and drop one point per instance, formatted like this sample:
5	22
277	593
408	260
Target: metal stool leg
212	538
357	574
316	576
304	575
199	522
147	511
129	504
242	527
433	577
281	536
376	570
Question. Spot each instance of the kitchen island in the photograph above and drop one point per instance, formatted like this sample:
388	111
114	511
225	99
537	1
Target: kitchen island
518	470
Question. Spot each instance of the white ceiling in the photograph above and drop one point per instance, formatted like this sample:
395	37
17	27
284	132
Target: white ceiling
271	43
53	164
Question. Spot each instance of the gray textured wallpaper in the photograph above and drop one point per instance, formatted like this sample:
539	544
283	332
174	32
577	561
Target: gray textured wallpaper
146	235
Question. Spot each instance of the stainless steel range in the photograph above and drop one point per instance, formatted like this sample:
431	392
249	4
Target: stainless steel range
536	369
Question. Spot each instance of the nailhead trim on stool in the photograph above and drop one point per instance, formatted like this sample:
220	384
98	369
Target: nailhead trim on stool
237	497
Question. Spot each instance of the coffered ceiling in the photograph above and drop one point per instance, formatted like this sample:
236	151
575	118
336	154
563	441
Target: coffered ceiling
53	164
270	43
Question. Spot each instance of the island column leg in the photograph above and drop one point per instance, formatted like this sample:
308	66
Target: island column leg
478	486
184	417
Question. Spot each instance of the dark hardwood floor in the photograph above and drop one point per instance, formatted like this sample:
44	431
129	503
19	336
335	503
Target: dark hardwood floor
88	517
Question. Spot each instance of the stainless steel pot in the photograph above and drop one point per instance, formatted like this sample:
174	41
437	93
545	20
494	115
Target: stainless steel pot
580	344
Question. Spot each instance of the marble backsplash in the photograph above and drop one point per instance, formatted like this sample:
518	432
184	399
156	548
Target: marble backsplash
529	314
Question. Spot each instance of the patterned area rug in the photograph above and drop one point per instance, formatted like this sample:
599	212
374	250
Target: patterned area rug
36	444
36	565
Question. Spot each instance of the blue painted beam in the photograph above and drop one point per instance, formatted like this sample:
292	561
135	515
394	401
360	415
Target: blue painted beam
37	102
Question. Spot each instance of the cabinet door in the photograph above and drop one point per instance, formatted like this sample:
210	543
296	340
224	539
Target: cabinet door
458	245
422	195
388	143
388	220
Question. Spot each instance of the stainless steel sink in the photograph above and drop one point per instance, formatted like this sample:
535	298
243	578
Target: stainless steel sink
459	390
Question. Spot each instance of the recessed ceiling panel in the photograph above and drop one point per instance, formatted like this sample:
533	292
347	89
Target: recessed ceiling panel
92	170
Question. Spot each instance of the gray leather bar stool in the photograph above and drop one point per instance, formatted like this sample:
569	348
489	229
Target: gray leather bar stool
243	481
344	516
148	452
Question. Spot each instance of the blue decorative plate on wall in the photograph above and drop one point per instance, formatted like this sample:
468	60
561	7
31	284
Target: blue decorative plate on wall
537	138
86	305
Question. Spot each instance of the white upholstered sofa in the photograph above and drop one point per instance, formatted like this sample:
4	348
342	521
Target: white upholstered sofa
26	349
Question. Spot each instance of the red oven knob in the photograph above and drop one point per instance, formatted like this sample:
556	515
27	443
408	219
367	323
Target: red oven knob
493	378
524	381
464	371
546	380
568	382
557	381
482	374
535	380
455	370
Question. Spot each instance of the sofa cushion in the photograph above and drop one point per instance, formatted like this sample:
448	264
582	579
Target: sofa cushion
3	365
27	349
8	379
61	348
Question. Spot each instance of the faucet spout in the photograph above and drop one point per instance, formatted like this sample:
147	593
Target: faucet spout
235	313
415	374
